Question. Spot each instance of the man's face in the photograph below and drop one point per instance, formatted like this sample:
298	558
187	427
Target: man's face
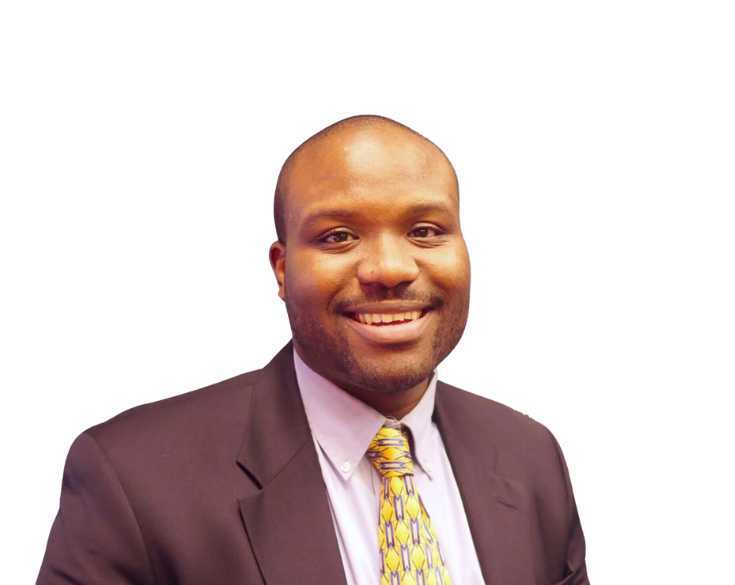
373	237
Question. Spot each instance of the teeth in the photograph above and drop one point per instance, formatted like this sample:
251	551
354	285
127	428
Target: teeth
376	318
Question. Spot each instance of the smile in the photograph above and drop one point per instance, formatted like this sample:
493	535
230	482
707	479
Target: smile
379	319
389	328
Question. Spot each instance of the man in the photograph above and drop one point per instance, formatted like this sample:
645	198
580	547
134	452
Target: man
344	461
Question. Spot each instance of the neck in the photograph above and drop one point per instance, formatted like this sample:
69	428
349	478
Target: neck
389	404
394	404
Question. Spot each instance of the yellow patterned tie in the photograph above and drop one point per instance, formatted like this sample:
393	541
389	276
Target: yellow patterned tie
409	547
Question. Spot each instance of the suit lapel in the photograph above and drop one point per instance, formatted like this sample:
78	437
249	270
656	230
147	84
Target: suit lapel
288	522
493	504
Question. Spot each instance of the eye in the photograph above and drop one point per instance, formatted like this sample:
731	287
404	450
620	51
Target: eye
337	237
425	231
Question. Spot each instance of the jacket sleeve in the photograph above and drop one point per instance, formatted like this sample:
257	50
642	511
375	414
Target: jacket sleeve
576	567
95	538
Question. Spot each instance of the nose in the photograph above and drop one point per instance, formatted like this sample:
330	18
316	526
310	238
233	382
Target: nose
388	261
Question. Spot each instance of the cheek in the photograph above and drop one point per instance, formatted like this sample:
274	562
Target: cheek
314	278
450	269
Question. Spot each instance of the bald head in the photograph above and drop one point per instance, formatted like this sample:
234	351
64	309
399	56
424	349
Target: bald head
360	148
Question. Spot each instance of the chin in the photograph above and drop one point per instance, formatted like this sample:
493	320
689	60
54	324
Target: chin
390	379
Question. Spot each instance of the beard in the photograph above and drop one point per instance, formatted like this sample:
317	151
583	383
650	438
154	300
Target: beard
329	353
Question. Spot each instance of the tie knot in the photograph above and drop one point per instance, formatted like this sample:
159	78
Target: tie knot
389	451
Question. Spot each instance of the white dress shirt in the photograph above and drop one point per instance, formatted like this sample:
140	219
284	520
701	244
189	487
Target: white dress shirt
342	427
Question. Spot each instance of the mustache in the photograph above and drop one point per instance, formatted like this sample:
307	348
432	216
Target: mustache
433	301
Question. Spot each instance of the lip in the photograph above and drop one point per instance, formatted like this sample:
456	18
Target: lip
388	307
392	334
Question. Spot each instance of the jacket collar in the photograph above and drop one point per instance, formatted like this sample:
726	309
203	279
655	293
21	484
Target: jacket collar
277	428
288	521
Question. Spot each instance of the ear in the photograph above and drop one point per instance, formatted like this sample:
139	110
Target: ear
277	256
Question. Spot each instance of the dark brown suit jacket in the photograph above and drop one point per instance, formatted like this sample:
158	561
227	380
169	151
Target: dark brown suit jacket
222	486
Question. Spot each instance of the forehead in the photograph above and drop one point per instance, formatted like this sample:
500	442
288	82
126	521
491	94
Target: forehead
369	173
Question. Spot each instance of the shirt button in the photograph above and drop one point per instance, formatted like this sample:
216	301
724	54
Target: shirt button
345	467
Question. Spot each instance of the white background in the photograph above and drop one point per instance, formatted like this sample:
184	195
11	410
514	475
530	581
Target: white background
139	147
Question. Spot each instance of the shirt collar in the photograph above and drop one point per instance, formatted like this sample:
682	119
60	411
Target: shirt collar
344	426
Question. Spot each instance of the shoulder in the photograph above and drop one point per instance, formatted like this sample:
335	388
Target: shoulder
503	421
184	424
521	443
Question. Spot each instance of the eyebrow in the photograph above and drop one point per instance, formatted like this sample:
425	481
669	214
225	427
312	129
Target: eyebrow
346	213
